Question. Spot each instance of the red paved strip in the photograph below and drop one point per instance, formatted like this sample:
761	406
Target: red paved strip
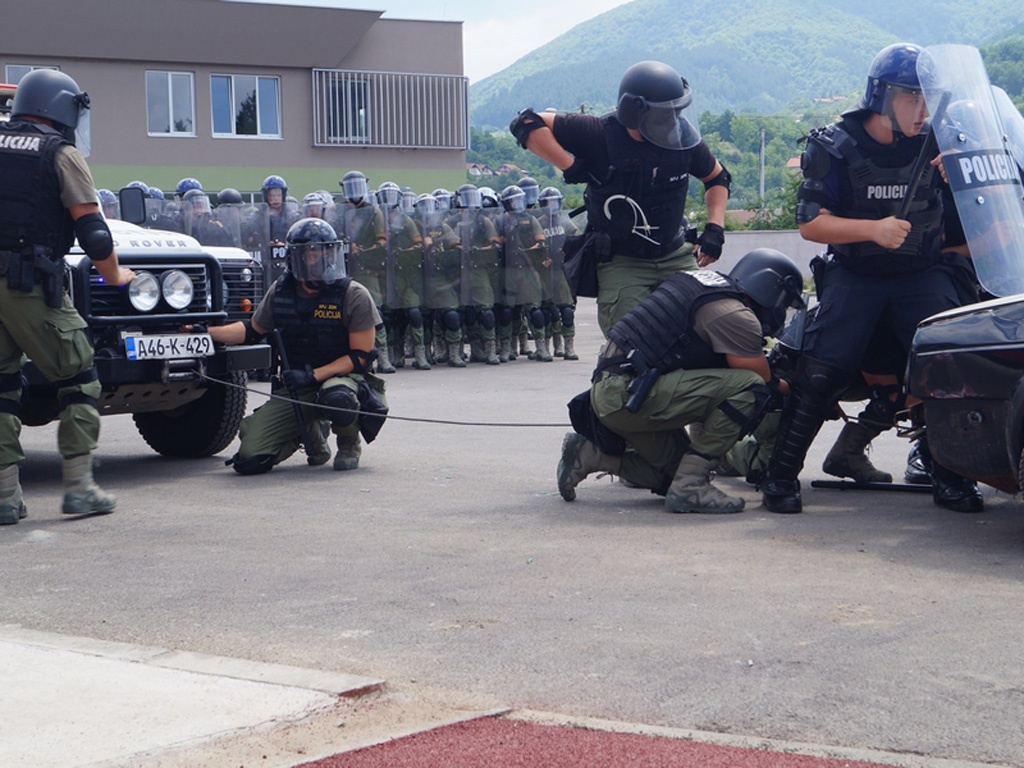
505	743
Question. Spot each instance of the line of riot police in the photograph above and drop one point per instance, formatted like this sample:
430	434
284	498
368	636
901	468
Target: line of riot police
443	268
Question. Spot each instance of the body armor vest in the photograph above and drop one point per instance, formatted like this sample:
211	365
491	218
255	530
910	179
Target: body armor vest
312	328
879	192
31	212
658	186
661	329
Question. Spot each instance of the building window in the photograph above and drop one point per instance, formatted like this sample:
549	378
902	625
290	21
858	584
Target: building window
246	105
390	109
170	104
14	72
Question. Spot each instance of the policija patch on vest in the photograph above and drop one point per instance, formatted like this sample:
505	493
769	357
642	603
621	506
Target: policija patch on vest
983	168
21	143
327	311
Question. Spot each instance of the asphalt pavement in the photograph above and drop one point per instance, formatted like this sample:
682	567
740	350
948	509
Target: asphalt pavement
219	620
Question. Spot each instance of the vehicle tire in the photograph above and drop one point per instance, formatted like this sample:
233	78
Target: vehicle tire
200	428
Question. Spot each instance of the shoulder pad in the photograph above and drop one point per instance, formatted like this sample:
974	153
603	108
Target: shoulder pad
814	161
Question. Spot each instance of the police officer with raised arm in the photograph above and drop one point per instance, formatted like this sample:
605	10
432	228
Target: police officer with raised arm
636	163
47	199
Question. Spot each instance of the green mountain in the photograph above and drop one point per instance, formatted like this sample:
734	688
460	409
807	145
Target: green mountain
771	57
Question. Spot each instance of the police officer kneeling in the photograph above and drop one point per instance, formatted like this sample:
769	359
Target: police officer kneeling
327	324
691	352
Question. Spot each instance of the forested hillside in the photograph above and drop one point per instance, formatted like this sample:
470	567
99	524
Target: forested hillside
775	68
772	57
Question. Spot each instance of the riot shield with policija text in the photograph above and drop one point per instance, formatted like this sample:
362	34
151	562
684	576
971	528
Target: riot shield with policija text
263	234
480	255
982	172
404	283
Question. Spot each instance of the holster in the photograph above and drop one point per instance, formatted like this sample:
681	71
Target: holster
22	269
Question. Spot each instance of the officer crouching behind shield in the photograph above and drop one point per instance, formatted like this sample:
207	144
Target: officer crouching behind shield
691	352
327	326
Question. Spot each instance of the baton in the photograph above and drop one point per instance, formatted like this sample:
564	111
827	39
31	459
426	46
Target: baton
275	337
930	146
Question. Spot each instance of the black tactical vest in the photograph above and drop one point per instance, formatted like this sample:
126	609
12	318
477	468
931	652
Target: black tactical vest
661	326
31	212
658	186
879	192
312	328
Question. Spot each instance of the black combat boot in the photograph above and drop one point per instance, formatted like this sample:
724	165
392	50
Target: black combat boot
949	489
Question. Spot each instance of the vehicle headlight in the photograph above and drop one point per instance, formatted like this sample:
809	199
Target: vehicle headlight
247	275
144	292
177	288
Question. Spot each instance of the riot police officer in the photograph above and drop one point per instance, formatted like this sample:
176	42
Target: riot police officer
47	199
855	173
636	163
326	321
689	353
561	306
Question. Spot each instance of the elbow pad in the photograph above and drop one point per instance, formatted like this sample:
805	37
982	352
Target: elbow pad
251	336
723	179
94	236
361	361
523	124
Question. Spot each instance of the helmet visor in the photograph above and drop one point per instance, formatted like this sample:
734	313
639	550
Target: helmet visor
317	263
83	140
355	189
663	124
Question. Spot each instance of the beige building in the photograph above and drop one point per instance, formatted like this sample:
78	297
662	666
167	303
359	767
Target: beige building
230	91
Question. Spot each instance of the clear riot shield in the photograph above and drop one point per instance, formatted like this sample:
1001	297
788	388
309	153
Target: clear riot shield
557	227
404	286
164	215
525	249
982	172
229	216
442	260
1013	124
364	230
264	230
478	241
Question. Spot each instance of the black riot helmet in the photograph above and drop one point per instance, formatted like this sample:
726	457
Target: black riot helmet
468	196
531	189
314	253
772	282
355	186
652	97
229	196
513	199
54	96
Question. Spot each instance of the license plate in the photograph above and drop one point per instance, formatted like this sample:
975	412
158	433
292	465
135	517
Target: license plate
169	347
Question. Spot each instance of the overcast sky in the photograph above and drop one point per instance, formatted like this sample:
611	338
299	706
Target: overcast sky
496	32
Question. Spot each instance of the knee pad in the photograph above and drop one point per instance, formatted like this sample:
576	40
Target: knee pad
487	319
415	317
551	312
471	315
568	314
504	315
820	384
340	405
452	320
537	317
252	465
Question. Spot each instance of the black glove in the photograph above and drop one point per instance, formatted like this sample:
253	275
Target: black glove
299	378
711	240
576	173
